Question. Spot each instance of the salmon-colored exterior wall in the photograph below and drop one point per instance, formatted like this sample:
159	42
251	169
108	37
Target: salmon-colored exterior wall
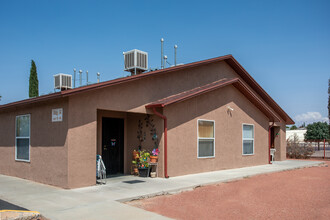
83	124
182	132
48	145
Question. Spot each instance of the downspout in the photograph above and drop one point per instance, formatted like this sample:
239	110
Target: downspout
269	139
165	139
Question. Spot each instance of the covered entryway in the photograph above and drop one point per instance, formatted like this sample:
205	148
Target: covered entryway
118	136
275	143
113	145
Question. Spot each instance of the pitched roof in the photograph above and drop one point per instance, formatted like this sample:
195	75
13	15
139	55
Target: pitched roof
239	84
229	59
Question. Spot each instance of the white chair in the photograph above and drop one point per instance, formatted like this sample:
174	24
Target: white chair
101	171
272	154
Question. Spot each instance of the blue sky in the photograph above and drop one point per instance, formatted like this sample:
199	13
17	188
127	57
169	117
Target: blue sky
284	45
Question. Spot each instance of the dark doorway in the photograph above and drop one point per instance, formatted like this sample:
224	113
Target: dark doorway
272	137
113	145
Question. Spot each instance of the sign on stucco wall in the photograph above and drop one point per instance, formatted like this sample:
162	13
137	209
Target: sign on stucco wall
57	114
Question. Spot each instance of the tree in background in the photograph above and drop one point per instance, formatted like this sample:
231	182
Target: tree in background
293	127
316	132
33	81
329	100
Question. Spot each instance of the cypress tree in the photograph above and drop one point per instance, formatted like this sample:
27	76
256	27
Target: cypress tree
329	100
33	81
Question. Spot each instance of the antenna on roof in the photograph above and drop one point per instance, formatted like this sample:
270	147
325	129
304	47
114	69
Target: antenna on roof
162	53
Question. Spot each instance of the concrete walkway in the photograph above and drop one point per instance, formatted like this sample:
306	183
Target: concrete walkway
104	201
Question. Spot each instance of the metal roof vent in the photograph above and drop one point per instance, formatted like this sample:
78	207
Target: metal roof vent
62	81
136	61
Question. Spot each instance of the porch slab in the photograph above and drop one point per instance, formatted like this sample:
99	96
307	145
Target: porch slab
104	201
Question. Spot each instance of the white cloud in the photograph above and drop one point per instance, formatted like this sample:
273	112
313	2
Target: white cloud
311	117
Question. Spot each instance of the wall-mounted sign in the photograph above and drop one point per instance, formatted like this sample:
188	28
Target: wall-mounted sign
57	114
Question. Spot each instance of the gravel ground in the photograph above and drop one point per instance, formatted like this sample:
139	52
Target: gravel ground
296	194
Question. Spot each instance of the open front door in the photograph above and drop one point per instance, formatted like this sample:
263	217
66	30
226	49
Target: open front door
113	145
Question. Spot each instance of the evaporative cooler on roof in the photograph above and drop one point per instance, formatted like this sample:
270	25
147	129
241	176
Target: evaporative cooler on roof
62	81
136	61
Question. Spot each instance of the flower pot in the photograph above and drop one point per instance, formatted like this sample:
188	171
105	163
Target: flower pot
135	154
144	172
152	174
153	159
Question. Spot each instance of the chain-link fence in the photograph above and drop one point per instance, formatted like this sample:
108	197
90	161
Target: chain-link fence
321	150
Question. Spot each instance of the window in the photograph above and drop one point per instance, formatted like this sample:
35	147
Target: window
248	139
22	151
205	138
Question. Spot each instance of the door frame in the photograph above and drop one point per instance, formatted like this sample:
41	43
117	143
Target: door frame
114	160
111	114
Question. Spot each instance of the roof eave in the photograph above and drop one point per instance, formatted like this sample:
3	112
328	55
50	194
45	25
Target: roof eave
31	101
247	77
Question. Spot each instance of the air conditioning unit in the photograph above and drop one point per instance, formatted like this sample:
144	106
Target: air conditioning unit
62	81
136	61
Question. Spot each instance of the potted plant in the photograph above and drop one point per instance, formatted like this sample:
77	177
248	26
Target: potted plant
135	170
135	154
154	155
143	163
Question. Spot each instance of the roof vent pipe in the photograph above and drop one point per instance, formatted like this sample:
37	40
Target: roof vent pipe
175	47
98	77
162	53
80	77
86	77
74	77
165	59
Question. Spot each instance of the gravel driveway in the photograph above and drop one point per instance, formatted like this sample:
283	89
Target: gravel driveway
296	194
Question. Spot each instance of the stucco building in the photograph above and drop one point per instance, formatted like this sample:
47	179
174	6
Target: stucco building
208	115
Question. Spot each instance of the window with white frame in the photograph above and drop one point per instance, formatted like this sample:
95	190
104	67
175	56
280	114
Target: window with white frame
22	151
205	138
248	139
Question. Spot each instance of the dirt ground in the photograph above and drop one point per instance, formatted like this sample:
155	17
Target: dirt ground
296	194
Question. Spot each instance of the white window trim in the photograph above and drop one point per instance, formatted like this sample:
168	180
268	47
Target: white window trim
16	159
247	139
198	138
